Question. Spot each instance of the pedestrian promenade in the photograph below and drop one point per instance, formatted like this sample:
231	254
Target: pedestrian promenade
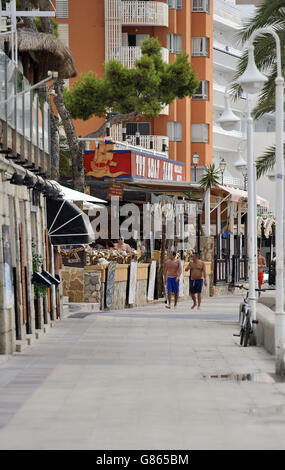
143	378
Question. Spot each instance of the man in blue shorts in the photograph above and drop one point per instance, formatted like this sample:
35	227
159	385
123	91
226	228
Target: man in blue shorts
172	273
197	278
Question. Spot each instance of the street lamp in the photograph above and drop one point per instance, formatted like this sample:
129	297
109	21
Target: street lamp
241	165
195	159
222	166
252	81
200	205
228	120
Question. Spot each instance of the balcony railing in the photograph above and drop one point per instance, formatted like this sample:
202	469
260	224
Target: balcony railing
144	13
128	55
25	119
151	143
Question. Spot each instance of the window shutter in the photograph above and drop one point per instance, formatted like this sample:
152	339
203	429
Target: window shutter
62	8
63	32
200	133
171	3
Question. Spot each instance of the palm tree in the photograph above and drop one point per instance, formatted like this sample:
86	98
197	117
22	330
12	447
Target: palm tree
210	178
269	13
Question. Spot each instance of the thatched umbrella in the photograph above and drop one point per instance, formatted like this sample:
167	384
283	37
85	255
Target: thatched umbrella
48	52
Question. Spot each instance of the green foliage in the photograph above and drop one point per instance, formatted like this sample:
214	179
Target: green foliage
191	195
145	89
37	264
65	167
4	3
211	178
39	26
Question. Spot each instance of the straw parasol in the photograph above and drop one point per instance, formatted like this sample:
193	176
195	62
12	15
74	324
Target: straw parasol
48	52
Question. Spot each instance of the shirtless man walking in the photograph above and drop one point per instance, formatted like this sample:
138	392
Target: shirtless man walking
261	265
172	272
197	278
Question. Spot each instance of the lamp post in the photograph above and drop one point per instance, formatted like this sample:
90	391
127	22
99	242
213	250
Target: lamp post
229	125
222	166
198	228
252	81
195	159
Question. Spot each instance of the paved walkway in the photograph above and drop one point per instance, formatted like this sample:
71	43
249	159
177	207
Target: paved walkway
141	379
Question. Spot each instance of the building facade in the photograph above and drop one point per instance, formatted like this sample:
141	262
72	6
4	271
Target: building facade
101	30
25	155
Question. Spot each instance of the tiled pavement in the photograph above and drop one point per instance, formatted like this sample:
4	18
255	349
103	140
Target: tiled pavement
141	379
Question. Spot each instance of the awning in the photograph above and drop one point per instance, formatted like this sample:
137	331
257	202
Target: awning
67	224
238	195
72	195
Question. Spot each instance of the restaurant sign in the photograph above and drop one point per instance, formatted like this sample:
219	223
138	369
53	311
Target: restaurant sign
106	162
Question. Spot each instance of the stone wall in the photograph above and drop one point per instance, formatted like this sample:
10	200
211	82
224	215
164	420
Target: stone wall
73	283
92	287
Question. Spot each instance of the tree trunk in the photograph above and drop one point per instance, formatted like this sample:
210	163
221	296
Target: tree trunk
54	174
76	148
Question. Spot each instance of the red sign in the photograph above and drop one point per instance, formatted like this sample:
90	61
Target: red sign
107	162
148	166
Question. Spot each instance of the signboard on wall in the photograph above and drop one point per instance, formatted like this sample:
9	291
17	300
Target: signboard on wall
7	258
108	162
115	190
110	284
133	282
151	281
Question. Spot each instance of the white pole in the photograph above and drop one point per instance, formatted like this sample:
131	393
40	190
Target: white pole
207	213
279	188
251	214
279	308
255	227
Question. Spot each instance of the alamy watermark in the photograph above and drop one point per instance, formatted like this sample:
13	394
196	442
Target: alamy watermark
129	220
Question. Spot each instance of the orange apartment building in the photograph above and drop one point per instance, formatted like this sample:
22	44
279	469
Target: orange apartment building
98	30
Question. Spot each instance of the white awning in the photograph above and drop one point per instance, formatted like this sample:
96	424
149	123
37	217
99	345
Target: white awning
238	195
72	195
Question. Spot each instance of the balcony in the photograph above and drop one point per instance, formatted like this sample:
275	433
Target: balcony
151	143
24	119
129	55
142	13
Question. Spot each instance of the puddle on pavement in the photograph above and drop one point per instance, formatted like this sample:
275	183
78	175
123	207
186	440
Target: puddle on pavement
278	410
255	377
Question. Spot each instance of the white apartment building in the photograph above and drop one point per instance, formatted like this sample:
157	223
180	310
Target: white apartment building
228	18
226	52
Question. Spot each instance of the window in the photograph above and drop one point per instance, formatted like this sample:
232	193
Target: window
142	127
62	8
174	43
63	33
200	133
201	6
200	46
175	4
202	92
174	131
135	40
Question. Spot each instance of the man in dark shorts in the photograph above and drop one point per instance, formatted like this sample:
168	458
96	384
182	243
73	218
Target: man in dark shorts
172	273
197	279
